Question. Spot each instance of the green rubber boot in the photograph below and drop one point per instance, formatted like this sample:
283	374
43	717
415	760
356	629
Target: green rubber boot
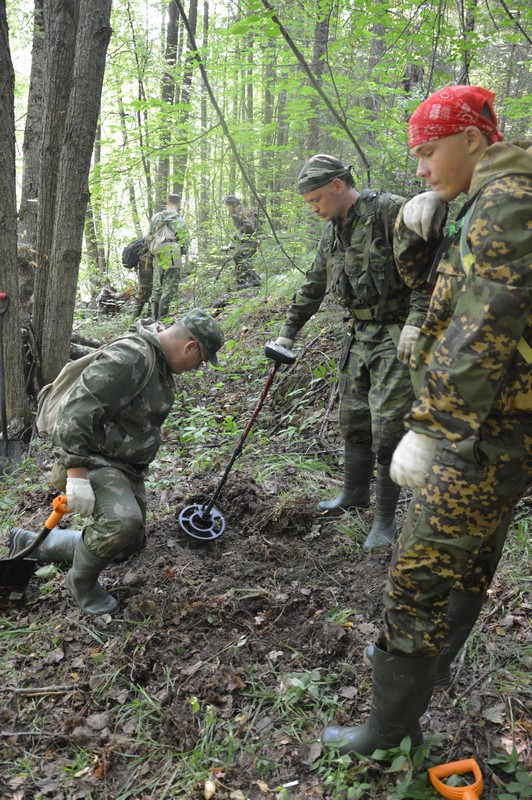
82	580
402	688
58	547
462	613
358	469
384	528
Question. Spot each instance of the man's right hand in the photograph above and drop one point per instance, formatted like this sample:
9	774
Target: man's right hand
80	497
424	214
282	341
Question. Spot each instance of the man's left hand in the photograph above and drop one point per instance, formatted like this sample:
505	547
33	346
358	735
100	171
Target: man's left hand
407	341
412	460
424	214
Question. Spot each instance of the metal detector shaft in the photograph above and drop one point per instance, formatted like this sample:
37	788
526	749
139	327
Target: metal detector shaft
243	437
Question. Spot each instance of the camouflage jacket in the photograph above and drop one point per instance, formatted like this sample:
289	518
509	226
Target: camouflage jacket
468	366
246	221
355	262
106	420
175	222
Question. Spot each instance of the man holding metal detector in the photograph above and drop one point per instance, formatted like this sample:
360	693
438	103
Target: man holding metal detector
106	436
355	261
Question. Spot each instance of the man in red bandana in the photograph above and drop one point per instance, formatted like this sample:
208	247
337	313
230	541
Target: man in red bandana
467	450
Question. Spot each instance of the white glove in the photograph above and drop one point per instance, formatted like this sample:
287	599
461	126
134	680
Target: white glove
424	214
282	341
80	497
412	459
407	340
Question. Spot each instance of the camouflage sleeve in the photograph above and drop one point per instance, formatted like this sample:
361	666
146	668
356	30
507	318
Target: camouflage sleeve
105	387
309	296
476	359
413	258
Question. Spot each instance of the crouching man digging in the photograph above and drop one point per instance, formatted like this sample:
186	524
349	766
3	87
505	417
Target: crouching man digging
467	452
107	435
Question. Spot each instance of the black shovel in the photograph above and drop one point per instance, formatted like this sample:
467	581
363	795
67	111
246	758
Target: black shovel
205	522
15	573
10	449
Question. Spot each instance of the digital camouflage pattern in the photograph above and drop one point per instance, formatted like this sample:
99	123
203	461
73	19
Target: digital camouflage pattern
375	387
475	395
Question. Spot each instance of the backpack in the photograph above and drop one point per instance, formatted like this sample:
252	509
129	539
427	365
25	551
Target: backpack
52	397
162	236
133	252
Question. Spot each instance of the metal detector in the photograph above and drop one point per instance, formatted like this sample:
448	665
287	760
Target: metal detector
206	522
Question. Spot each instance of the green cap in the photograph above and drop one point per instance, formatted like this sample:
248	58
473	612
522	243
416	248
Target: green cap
206	331
320	170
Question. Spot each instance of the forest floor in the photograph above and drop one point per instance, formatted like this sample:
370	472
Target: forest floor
228	657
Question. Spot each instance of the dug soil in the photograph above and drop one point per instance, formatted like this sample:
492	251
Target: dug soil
223	636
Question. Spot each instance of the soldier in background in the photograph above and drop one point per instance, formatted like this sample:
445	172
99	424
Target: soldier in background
247	223
168	241
145	283
467	452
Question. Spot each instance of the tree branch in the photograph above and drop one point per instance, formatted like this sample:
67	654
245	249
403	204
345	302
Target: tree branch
317	87
225	128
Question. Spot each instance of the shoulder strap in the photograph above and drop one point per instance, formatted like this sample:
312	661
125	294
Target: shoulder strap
372	201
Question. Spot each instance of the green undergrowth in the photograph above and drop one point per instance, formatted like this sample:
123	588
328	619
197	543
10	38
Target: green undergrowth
199	435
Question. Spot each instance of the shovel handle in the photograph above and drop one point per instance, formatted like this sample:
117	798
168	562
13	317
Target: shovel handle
59	505
457	768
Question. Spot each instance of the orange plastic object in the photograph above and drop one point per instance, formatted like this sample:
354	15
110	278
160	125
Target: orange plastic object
59	505
471	792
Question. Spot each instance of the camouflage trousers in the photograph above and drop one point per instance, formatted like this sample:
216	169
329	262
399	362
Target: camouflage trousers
145	281
119	516
242	258
454	534
375	389
166	276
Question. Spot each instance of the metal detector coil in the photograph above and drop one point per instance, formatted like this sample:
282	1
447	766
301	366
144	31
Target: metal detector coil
204	522
201	522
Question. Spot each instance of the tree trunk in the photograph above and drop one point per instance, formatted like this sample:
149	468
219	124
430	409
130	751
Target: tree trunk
166	116
93	34
31	153
17	410
181	160
60	23
321	35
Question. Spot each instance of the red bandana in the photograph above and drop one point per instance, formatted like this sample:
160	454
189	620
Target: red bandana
450	111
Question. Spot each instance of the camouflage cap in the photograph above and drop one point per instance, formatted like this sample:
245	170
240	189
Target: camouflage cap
206	331
231	200
174	199
320	170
